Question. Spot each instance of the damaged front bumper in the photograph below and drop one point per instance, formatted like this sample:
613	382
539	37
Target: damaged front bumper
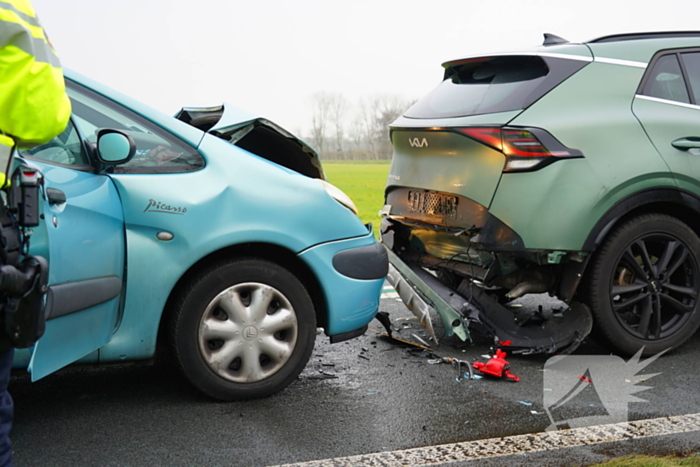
472	306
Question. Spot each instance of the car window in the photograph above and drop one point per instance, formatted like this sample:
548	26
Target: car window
666	80
65	148
493	84
692	67
157	151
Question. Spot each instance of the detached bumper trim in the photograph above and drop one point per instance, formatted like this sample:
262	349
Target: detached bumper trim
416	289
364	263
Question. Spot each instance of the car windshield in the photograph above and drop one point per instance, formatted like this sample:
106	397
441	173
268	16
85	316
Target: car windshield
493	84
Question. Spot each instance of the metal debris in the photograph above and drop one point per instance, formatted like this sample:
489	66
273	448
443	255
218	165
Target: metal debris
457	364
323	376
395	339
420	340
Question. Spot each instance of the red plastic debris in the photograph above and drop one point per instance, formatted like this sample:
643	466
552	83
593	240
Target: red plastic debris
585	379
497	366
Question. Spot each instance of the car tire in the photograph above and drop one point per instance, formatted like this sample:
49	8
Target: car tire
243	329
642	285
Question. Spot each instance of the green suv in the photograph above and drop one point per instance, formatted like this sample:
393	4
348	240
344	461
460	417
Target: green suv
571	169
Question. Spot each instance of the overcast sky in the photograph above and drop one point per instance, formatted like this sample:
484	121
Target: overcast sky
269	56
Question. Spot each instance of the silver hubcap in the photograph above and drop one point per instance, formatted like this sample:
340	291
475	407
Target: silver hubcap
248	332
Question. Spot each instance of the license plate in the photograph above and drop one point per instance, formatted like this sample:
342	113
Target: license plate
432	204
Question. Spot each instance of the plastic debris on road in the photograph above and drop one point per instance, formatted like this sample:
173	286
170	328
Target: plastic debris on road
497	366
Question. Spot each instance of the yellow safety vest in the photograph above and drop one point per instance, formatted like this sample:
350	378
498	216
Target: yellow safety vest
34	106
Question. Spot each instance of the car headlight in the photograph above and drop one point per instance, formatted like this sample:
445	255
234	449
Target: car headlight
337	194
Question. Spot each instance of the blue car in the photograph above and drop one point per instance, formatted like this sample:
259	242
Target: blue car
213	233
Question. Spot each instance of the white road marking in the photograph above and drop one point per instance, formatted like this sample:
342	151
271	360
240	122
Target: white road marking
519	444
388	291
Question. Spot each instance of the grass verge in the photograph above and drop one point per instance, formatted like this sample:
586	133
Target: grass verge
364	183
637	460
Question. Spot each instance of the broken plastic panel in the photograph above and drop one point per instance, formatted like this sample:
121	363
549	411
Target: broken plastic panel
562	333
420	298
412	301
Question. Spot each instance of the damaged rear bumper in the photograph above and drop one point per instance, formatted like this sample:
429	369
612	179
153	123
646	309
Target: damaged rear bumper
421	299
423	292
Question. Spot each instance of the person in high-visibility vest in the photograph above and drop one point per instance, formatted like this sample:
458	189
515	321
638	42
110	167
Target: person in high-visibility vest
34	108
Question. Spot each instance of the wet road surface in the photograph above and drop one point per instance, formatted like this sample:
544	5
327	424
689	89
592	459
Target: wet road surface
363	396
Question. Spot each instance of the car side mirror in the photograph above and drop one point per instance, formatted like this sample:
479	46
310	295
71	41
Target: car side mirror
114	147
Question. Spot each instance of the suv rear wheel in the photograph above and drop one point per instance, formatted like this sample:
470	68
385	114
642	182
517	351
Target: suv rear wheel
642	285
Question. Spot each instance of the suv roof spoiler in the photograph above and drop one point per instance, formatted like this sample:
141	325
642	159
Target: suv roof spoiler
645	35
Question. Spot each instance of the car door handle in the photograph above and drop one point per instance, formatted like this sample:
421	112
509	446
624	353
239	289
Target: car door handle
687	143
55	196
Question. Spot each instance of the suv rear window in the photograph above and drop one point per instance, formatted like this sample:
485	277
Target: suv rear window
493	84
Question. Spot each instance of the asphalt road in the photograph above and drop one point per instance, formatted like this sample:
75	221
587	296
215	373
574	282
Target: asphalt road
363	396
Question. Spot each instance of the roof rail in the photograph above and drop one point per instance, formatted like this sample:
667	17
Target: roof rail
644	35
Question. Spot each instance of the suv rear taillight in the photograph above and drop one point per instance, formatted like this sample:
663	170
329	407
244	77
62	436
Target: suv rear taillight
526	149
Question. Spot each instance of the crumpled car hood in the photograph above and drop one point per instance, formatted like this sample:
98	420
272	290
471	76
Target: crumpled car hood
256	135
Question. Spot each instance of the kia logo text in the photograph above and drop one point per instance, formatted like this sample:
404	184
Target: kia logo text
418	143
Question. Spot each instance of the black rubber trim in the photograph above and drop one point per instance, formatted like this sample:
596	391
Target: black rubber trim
641	198
64	299
349	335
365	263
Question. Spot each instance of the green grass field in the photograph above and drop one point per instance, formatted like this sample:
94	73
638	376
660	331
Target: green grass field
363	183
651	461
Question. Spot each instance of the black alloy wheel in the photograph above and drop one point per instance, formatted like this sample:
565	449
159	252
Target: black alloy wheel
643	285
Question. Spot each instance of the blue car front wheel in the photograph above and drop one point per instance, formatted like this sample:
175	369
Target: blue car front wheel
243	329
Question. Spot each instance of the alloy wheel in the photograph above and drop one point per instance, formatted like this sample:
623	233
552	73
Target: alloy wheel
654	287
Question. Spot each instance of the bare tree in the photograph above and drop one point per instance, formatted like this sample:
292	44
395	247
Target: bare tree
377	112
339	108
388	107
368	136
357	135
321	107
366	127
